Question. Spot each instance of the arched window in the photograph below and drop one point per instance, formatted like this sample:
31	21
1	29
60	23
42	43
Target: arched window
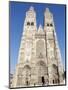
51	24
55	67
32	23
40	48
47	24
28	23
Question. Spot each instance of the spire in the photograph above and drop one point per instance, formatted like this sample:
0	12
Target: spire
48	14
47	10
31	8
40	29
31	13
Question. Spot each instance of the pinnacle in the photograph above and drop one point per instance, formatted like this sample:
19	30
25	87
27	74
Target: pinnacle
47	12
31	8
40	28
47	9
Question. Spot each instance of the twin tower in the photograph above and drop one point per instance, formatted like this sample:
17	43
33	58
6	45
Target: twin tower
39	59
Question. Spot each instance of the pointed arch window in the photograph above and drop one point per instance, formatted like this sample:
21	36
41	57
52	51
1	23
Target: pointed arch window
55	69
32	23
28	23
47	24
51	24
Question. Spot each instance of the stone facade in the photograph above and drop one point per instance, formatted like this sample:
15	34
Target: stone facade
39	60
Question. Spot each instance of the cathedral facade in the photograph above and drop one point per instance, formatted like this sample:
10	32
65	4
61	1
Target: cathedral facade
39	59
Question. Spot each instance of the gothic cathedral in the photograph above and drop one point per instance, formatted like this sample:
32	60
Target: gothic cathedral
39	59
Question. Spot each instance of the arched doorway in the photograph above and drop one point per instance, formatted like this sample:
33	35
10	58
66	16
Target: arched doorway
27	75
43	80
42	73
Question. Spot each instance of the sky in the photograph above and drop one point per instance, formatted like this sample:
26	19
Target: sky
17	13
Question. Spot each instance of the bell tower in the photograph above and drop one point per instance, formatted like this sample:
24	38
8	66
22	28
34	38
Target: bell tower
26	50
30	21
52	49
28	34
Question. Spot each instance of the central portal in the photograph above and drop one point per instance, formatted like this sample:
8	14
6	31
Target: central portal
42	73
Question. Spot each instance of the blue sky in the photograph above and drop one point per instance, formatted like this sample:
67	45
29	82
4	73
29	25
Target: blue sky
17	15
